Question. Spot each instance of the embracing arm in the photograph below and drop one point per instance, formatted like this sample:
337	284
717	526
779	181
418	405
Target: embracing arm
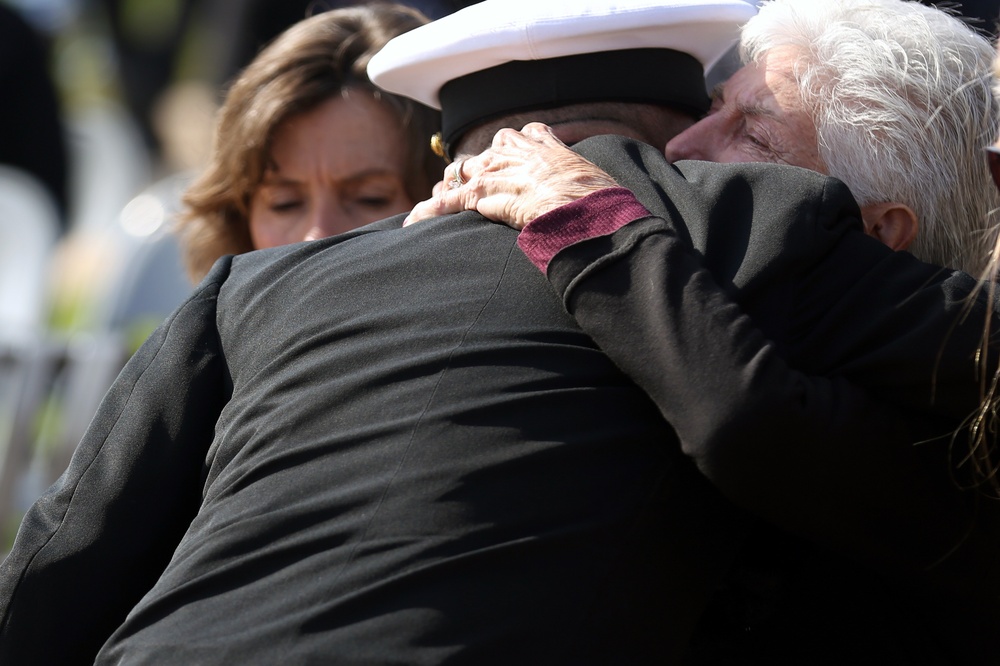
91	547
802	364
817	455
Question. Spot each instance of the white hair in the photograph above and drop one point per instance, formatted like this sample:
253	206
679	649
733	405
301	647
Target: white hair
901	95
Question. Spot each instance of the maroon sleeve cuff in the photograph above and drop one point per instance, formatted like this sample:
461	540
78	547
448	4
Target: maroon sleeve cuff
599	214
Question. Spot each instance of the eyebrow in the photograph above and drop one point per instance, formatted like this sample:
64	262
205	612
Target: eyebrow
275	177
754	109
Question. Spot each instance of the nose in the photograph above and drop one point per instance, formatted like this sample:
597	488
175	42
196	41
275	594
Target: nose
696	142
327	218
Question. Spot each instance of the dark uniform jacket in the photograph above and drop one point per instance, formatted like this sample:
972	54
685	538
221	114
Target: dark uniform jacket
391	446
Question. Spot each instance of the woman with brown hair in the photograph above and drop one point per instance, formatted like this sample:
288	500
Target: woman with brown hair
306	146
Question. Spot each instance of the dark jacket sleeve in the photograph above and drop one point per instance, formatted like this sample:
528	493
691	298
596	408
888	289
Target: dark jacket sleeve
94	544
820	452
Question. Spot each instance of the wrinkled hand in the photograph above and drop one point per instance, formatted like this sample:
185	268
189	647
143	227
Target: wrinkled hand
523	175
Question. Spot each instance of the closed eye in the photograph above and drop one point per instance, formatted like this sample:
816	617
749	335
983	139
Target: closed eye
374	202
285	206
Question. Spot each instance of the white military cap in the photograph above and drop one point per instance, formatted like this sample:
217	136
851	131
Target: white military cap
504	56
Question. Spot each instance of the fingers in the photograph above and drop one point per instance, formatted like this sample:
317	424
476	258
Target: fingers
494	182
531	134
504	137
446	201
537	129
462	170
534	141
455	180
543	133
423	211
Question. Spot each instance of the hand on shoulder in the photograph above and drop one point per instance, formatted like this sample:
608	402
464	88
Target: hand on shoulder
523	175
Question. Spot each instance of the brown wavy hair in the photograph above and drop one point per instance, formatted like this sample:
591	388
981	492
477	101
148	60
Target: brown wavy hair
312	61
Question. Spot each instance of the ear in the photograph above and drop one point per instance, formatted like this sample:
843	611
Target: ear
892	223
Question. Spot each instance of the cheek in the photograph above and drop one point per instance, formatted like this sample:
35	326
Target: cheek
705	140
811	158
260	235
267	230
736	155
401	203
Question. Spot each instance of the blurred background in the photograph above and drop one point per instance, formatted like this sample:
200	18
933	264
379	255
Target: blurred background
106	112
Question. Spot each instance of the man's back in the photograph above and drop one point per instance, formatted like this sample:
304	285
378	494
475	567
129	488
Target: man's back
422	459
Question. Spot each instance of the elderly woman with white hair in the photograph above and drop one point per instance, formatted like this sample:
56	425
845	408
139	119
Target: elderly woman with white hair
879	457
891	98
